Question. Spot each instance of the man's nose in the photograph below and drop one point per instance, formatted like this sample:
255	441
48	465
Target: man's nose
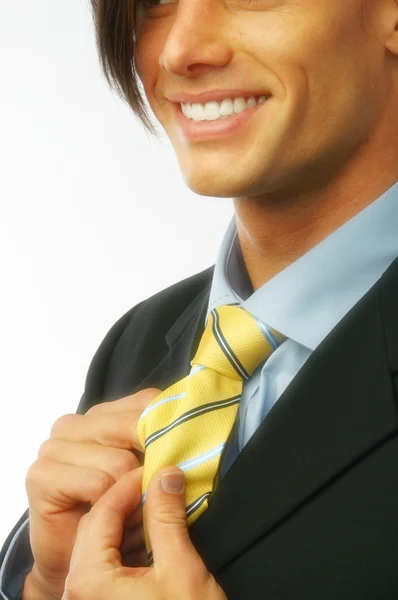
197	39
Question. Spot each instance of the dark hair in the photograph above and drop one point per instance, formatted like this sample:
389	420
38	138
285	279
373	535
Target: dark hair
115	32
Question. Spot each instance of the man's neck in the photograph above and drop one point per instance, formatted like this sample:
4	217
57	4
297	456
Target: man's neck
274	231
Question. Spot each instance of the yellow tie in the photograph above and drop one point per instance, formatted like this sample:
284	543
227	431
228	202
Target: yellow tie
188	424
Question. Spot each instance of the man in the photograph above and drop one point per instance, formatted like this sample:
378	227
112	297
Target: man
307	494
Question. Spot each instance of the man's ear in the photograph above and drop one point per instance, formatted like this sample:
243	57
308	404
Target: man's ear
389	15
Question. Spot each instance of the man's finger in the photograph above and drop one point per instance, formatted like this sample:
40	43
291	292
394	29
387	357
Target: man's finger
139	400
167	526
116	429
114	461
100	532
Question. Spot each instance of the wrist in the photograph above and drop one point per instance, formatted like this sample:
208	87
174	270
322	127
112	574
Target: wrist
38	588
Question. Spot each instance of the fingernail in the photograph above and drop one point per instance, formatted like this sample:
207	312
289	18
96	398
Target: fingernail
173	483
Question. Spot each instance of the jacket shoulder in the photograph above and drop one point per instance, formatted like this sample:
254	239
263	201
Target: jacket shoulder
139	335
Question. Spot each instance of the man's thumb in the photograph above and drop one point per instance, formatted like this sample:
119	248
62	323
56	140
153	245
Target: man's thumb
167	522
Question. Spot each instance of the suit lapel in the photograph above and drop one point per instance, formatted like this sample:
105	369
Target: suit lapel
183	340
339	406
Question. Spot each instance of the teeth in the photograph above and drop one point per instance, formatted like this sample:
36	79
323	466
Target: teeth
239	105
211	111
226	107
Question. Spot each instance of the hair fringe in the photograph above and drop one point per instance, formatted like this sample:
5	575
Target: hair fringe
115	41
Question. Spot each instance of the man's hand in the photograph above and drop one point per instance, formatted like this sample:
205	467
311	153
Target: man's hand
84	456
96	571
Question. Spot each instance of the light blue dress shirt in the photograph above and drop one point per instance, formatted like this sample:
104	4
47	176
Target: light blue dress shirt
305	301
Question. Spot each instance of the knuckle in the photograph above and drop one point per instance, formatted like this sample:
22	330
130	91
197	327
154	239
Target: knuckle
63	423
150	391
102	481
125	461
34	475
30	476
46	448
143	397
97	408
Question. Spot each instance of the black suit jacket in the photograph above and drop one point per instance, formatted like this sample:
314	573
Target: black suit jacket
309	509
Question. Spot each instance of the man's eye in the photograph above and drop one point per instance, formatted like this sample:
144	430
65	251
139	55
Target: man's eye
154	3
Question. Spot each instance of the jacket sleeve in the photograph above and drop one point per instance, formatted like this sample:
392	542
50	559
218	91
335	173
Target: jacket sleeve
16	560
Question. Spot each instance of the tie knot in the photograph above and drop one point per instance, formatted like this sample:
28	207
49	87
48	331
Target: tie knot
235	343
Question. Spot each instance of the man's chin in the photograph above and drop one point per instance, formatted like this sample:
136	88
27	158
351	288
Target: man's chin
226	184
213	188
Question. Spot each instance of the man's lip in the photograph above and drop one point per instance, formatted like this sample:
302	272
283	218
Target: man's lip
217	129
215	96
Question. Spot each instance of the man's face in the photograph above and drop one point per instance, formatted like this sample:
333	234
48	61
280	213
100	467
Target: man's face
320	61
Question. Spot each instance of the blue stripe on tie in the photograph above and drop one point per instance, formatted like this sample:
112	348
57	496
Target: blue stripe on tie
271	339
198	460
169	398
194	462
196	369
163	401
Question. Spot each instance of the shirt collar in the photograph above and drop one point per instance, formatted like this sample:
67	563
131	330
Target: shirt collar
310	296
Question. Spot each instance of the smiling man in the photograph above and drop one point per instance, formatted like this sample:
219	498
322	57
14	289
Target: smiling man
270	378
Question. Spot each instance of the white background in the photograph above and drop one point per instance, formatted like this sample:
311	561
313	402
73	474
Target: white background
95	217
